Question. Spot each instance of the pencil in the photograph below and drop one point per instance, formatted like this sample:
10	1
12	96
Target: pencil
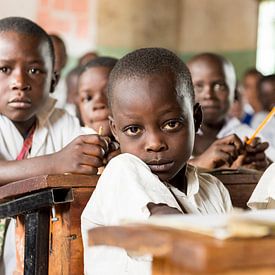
261	126
100	130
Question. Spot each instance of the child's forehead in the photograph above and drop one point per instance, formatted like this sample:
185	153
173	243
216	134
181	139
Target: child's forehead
154	88
16	43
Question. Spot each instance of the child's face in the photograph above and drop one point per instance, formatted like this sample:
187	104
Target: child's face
26	75
151	122
268	94
211	90
93	103
250	89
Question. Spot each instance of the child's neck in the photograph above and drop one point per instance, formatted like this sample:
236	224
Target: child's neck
180	181
207	137
24	126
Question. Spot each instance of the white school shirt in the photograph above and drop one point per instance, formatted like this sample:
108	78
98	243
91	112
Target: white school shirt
123	191
234	126
55	129
263	196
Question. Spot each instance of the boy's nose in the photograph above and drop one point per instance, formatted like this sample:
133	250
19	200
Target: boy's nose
19	82
155	143
208	92
100	101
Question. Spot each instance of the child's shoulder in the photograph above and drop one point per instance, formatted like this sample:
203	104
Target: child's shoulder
126	161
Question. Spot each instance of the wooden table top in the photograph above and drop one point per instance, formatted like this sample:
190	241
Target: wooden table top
17	188
195	252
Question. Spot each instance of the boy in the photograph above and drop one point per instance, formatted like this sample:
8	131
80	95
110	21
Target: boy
216	143
154	118
251	96
30	126
267	98
92	89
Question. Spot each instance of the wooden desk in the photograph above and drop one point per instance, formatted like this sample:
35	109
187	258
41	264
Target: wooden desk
240	184
53	243
178	252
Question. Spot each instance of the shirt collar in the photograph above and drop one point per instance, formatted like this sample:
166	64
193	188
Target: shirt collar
45	112
193	184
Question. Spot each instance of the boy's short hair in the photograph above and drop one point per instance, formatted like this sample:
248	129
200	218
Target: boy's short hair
252	71
28	27
147	61
102	61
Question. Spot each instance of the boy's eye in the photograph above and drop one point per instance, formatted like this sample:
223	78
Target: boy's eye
219	87
132	131
171	125
34	71
4	69
198	87
87	98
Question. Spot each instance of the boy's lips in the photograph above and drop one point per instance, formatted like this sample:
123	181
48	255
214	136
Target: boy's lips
22	102
160	166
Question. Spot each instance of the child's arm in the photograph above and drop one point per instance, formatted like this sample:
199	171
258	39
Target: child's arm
161	209
222	152
82	156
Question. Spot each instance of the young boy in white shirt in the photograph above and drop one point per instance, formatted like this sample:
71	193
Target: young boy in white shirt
154	118
36	138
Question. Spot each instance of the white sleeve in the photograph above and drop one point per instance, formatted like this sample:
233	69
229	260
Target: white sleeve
264	194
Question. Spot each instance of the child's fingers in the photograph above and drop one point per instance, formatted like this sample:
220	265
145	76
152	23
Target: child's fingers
91	150
92	161
232	140
259	147
95	140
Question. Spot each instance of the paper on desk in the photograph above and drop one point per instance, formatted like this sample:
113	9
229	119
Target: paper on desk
244	224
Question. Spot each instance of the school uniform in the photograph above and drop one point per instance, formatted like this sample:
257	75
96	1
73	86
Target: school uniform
263	197
123	191
55	128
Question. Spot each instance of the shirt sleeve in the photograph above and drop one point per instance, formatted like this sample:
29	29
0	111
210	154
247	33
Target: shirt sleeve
264	194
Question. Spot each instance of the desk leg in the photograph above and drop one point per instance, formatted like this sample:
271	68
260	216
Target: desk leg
36	242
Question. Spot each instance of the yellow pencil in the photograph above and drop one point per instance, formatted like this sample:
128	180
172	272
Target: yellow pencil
100	130
261	126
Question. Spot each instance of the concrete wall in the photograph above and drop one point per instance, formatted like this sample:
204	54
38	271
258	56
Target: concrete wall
117	27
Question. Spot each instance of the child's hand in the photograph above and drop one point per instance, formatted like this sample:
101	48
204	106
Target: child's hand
82	156
161	209
221	153
113	151
254	156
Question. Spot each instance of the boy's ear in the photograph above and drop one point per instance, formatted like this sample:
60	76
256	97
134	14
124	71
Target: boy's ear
55	80
197	116
113	128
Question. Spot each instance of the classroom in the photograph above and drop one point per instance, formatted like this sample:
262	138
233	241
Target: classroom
137	137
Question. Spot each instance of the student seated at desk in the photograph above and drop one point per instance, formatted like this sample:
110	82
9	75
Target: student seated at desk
218	142
92	98
35	137
154	118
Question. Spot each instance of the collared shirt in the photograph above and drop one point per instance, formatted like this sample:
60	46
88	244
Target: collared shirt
123	191
55	129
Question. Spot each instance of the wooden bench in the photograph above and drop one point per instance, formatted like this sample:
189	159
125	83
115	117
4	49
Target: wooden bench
48	208
240	184
178	252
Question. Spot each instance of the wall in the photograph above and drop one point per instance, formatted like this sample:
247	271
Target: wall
224	26
117	27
